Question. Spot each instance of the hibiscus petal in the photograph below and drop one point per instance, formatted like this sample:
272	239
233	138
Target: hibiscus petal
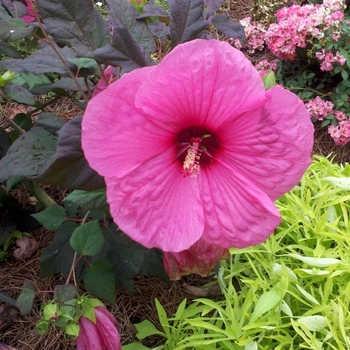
116	137
236	212
270	145
156	206
200	82
106	327
200	258
88	338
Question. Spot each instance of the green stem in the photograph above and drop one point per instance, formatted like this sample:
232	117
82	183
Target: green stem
42	196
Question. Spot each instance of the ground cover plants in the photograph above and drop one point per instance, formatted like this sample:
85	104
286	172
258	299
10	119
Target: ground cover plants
166	141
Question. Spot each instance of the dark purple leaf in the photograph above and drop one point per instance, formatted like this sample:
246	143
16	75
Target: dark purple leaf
19	94
5	142
186	20
64	83
26	298
124	51
8	50
159	29
64	293
43	61
70	168
58	256
74	23
124	14
211	7
151	10
29	155
233	30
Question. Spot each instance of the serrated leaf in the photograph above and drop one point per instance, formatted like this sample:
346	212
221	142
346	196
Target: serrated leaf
186	20
88	239
63	293
231	29
88	199
100	280
124	51
70	168
18	94
29	155
52	217
75	23
26	298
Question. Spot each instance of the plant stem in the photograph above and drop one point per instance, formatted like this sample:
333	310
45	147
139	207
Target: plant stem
42	196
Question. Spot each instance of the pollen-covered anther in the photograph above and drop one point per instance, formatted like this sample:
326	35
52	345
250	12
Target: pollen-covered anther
191	165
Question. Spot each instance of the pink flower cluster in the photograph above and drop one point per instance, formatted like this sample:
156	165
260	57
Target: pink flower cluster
340	133
265	66
296	25
327	59
254	32
319	109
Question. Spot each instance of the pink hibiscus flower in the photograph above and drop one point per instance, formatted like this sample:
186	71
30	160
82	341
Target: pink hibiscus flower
194	150
102	335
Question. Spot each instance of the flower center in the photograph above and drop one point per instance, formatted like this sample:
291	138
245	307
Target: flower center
195	148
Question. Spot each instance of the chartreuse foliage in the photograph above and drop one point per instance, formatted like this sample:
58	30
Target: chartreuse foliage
292	292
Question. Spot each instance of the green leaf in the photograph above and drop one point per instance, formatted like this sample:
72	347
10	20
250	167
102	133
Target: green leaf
72	330
316	262
146	329
52	217
314	322
26	298
138	346
266	302
344	74
29	155
341	182
100	280
74	23
88	239
269	80
88	200
83	62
